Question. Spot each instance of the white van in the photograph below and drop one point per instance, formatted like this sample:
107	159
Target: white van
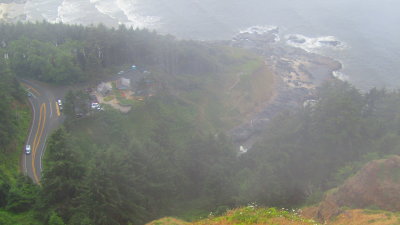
27	149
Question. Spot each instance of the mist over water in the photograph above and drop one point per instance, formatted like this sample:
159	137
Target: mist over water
368	30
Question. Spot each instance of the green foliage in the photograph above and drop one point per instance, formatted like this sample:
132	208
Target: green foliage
43	61
61	181
4	189
63	53
255	215
168	155
309	151
108	98
22	196
144	164
55	219
28	218
17	193
8	123
139	166
76	103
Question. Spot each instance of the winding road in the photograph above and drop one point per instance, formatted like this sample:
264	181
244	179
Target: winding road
46	116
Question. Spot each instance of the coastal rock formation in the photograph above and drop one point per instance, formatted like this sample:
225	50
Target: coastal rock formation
297	71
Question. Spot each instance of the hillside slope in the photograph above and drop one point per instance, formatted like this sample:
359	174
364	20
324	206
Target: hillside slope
245	216
376	185
356	202
268	216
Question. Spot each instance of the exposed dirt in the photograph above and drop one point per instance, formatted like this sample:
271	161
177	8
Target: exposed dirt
250	94
361	217
376	185
113	103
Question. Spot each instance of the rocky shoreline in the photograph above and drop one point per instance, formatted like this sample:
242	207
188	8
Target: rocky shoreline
297	72
12	11
297	75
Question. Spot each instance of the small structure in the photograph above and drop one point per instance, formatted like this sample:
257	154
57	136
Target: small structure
123	83
104	88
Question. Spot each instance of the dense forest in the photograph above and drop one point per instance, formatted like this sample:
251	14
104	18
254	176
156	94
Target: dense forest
155	161
63	53
16	191
165	156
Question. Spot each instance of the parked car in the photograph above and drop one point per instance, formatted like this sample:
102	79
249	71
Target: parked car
95	105
27	149
59	102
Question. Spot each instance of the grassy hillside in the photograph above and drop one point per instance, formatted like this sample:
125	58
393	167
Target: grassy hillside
272	216
228	97
249	215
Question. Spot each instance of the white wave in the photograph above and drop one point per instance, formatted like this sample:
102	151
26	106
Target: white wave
41	10
259	29
117	11
130	9
311	44
339	75
107	7
70	11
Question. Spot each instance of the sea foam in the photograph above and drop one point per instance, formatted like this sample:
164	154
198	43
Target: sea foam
121	11
107	7
37	10
260	30
313	44
339	75
70	11
130	9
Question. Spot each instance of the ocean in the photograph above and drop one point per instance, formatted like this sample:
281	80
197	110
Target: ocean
364	35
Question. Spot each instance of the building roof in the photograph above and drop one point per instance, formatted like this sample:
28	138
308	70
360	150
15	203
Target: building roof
123	83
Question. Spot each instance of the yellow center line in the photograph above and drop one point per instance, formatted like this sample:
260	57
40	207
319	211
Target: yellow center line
34	141
31	88
42	123
37	144
58	109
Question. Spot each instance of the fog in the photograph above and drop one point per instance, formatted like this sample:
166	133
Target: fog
356	23
126	111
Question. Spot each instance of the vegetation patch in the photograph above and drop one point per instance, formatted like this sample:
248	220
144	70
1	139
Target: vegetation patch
108	98
11	156
7	218
249	215
362	217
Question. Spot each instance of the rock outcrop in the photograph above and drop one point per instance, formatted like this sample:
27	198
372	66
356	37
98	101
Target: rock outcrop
376	185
